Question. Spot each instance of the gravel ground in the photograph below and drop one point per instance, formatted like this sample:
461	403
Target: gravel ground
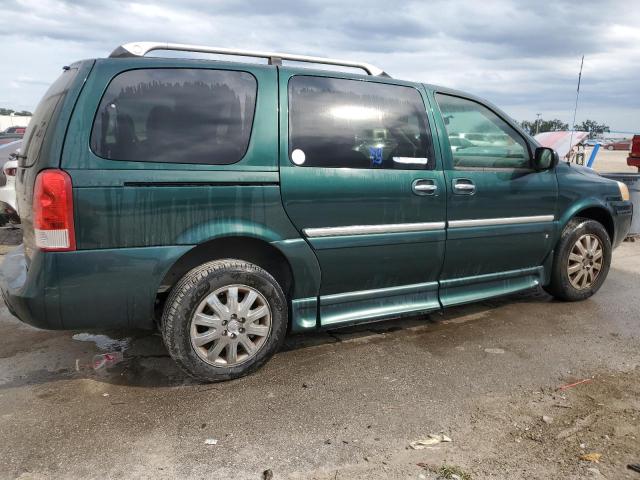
344	404
611	161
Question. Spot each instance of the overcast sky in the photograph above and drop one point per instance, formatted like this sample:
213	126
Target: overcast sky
522	55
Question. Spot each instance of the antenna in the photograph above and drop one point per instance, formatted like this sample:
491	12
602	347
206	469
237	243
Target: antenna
575	110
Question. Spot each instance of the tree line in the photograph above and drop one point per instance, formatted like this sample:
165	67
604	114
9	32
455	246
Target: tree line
540	126
8	111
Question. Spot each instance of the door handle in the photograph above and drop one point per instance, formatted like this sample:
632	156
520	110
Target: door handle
463	186
423	186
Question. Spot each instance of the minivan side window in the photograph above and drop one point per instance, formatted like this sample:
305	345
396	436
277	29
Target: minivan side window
176	116
479	138
351	123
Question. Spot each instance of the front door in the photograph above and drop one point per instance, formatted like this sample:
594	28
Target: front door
501	212
360	180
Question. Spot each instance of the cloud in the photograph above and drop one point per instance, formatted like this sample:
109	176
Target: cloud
522	55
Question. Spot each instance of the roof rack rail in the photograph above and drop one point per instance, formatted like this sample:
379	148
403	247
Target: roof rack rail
140	49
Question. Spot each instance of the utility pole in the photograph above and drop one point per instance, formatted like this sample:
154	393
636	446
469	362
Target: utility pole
537	123
575	110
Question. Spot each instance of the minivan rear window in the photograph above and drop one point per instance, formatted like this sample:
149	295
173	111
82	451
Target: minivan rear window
43	117
176	116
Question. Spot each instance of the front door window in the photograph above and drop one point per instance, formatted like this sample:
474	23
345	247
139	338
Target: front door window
479	138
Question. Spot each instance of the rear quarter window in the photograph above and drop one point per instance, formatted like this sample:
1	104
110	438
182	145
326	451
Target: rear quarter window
176	116
44	116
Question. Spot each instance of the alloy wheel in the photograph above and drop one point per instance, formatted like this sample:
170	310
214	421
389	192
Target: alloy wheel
230	325
585	261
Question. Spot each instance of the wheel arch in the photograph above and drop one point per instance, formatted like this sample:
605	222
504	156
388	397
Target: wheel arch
593	211
250	249
600	215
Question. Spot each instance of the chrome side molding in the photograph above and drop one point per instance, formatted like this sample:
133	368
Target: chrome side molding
421	227
372	229
489	222
140	49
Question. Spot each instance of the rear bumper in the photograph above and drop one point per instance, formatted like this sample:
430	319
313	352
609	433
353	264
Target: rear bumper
88	288
23	295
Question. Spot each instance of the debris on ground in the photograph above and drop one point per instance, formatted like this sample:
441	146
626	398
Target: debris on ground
547	419
571	385
634	466
267	474
107	360
451	472
591	457
445	472
211	441
496	351
430	441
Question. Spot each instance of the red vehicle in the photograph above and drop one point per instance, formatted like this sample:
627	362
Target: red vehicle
619	145
12	134
634	157
16	130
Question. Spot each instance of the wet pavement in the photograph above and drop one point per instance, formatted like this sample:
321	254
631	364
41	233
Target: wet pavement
343	404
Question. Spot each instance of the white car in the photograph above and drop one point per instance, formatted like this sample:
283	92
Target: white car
8	209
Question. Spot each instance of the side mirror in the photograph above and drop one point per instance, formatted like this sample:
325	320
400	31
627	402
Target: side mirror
545	158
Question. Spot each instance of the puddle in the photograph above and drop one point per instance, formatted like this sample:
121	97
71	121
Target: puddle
103	342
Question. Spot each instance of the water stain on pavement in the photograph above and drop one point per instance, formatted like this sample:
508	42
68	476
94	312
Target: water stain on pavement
103	342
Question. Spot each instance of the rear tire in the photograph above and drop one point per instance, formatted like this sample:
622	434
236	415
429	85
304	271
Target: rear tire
581	260
224	319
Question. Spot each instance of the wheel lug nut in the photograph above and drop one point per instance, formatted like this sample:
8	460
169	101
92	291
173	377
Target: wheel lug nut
224	322
242	330
224	333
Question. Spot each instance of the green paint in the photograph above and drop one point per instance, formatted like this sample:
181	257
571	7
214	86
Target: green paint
135	220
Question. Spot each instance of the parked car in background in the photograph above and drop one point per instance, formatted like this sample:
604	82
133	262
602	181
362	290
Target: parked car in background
228	203
17	130
592	142
618	144
479	139
8	169
633	160
8	210
8	151
458	143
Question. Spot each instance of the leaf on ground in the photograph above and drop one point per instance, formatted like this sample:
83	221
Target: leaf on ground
591	457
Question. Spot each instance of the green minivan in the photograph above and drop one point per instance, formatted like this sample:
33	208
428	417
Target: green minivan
230	203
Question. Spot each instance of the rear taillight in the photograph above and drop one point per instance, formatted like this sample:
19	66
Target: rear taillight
53	211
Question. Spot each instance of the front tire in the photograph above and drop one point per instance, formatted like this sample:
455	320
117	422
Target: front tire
224	319
581	260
